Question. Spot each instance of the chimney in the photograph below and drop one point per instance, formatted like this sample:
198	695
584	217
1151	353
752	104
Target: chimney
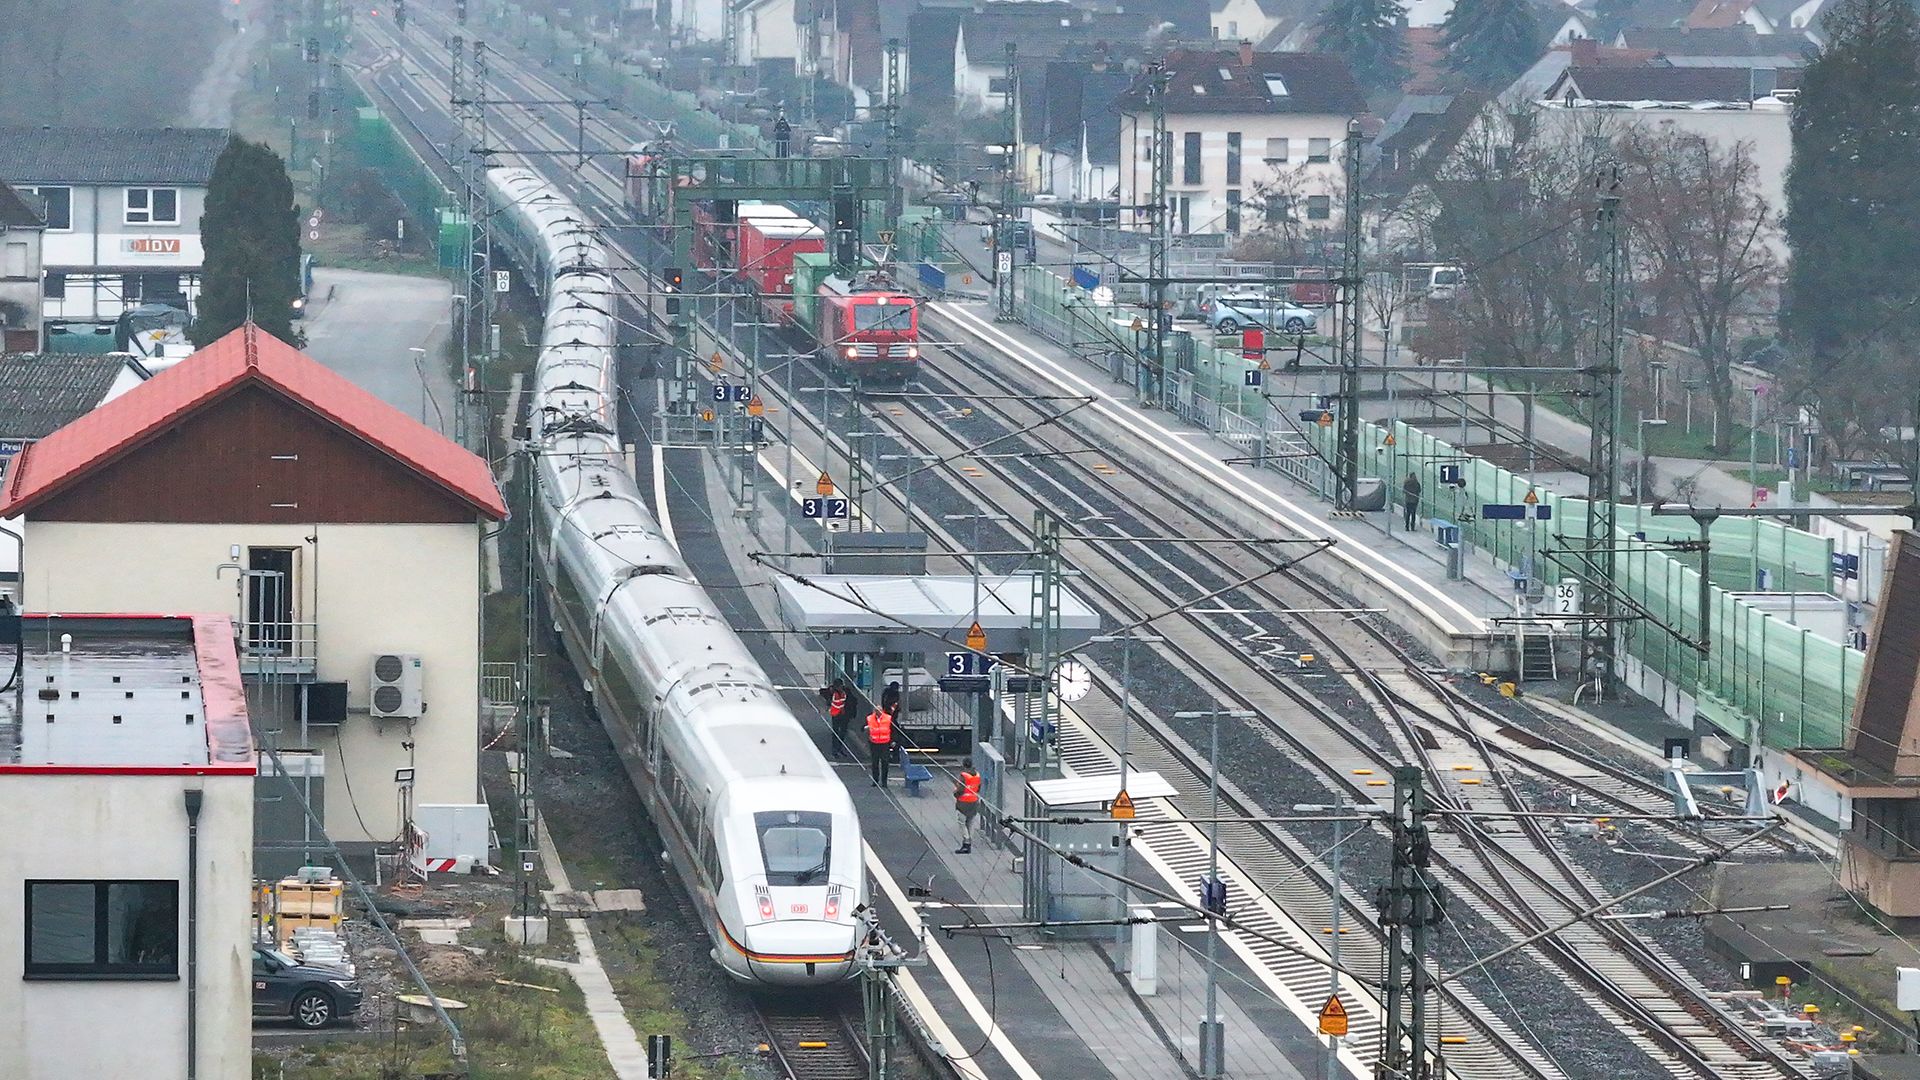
1586	52
1246	53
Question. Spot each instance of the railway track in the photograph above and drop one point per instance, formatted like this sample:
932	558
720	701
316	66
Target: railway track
1524	905
812	1040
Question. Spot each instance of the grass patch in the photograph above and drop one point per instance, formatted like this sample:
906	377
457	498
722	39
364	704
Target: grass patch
643	992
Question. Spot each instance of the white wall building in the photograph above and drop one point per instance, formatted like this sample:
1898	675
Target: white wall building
21	229
251	479
129	871
122	208
1256	138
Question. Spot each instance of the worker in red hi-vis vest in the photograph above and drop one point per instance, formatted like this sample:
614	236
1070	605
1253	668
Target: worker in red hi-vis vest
880	745
839	701
966	800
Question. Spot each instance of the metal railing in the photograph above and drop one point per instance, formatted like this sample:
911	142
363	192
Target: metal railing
279	648
500	681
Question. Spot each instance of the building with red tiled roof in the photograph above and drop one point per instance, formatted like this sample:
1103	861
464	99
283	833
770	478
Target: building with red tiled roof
344	536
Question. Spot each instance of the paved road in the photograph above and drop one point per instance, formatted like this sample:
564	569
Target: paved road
363	325
211	103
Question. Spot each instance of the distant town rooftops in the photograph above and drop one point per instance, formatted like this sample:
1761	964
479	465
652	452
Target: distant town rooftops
1730	41
50	155
1245	80
16	213
127	693
41	393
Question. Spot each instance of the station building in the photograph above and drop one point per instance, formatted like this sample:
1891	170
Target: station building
127	774
343	536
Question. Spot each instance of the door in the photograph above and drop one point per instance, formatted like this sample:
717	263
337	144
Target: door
270	600
272	990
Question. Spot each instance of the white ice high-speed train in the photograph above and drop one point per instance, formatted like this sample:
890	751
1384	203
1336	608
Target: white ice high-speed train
757	826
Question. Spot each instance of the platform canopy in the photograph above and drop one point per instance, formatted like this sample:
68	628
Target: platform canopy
1085	790
884	613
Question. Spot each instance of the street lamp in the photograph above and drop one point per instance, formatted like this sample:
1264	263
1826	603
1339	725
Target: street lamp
1126	641
1213	1040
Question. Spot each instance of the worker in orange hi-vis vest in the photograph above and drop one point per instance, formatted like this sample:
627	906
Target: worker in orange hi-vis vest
966	800
880	745
839	701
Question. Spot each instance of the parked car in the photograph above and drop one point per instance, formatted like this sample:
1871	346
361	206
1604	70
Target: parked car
312	997
1315	292
1234	312
1444	282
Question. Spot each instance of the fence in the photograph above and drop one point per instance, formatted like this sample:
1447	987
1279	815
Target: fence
1797	682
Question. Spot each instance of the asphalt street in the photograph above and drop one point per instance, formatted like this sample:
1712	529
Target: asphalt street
366	325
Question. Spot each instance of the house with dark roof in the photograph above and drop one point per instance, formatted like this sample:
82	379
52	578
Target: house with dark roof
1730	46
343	534
1044	30
22	229
1256	138
1248	20
1067	121
122	209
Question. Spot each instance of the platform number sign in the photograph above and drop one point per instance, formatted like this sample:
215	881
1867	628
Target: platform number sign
831	508
736	392
1250	377
1566	597
966	663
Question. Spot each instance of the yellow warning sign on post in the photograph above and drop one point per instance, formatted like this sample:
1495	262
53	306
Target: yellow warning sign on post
707	415
1532	499
716	361
756	407
1333	1017
1390	439
824	485
1122	806
976	638
1326	419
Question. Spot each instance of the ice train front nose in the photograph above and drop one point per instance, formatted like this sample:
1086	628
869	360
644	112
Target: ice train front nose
791	952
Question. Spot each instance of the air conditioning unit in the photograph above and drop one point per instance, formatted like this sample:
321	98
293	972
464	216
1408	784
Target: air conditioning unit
394	689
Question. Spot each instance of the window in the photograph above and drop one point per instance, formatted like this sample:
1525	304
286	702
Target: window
103	929
896	316
59	202
1277	151
1279	209
153	206
1319	150
1190	159
1233	212
14	265
795	845
1276	86
54	286
1233	28
997	84
1233	157
1319	207
1183	206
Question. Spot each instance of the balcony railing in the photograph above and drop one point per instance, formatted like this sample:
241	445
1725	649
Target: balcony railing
279	648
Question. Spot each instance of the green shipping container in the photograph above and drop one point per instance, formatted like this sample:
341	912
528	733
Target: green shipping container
809	269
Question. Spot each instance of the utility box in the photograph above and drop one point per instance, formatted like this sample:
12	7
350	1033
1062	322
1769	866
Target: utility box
1055	890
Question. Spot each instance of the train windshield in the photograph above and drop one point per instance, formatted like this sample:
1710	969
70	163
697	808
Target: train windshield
795	845
894	316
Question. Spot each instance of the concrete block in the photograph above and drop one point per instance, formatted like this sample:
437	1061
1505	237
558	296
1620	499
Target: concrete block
527	929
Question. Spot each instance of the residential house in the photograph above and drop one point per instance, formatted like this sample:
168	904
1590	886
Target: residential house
1732	46
344	535
1067	119
1414	142
1800	18
129	778
1248	20
122	208
1047	30
21	229
1254	138
1727	105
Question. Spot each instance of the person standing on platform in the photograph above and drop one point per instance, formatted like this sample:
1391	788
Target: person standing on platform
966	800
880	745
1410	493
890	699
839	701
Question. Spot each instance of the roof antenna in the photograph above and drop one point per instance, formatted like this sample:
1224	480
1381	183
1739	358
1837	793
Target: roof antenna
249	299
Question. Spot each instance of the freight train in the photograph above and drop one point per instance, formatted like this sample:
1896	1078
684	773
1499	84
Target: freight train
754	821
858	324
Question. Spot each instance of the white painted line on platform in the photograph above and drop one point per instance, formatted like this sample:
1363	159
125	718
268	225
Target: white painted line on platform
1181	449
955	981
660	494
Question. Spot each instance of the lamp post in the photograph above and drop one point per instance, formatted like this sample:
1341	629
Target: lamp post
1640	488
1213	1039
1126	640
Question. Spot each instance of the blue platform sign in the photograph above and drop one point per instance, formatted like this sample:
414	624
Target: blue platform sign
829	508
725	391
1515	511
1084	278
1251	377
968	663
1846	566
1451	474
933	277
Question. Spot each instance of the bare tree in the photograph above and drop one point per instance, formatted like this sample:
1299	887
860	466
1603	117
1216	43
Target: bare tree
1699	233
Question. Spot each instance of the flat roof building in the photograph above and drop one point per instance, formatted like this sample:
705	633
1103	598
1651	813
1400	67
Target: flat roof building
127	767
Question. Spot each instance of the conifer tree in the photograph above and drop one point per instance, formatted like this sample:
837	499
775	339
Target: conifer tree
251	232
1853	192
1366	34
1491	41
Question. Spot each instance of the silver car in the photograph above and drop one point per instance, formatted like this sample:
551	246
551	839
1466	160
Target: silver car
1230	314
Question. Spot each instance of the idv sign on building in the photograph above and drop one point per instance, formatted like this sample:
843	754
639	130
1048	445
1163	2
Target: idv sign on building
151	245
